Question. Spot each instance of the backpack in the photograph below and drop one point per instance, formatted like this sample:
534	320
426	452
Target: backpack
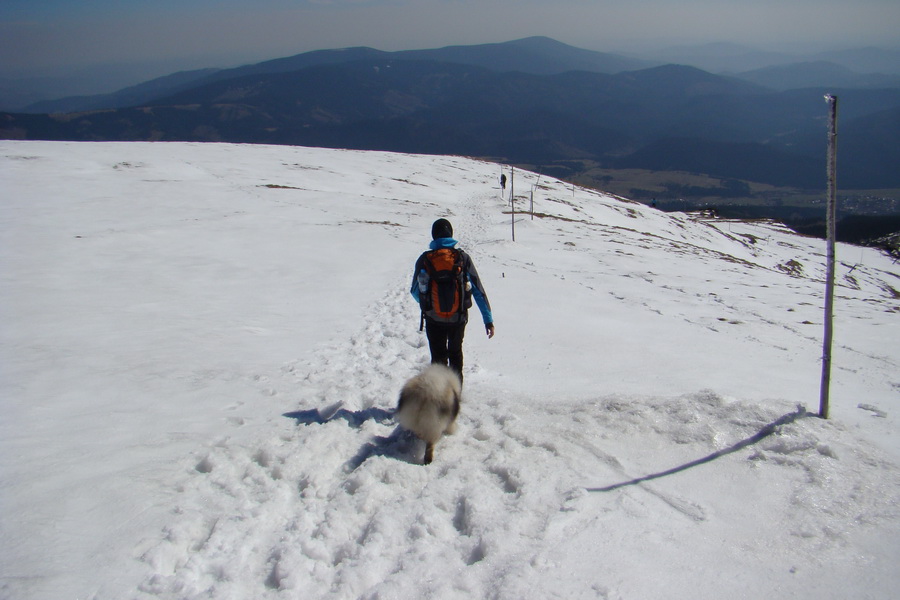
446	299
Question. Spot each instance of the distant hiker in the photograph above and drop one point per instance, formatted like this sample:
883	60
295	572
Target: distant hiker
444	283
502	181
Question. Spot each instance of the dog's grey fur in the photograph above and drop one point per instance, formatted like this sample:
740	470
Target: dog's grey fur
429	404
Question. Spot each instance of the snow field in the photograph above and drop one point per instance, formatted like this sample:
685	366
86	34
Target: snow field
198	396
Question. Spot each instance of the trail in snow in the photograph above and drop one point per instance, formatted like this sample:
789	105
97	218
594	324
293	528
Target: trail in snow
341	507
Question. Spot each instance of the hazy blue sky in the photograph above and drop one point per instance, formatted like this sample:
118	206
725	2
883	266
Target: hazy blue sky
37	35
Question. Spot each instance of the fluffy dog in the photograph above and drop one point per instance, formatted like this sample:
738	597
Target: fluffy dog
429	405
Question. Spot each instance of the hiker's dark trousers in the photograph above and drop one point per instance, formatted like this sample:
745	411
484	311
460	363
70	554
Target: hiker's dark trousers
445	342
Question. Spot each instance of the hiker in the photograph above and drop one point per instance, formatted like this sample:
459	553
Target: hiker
444	283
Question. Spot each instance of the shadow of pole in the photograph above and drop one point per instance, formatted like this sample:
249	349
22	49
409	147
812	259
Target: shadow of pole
753	439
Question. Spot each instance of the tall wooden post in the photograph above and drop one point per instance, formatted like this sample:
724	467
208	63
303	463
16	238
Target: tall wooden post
830	215
512	200
537	183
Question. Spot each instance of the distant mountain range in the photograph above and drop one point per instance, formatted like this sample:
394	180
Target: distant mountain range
537	55
817	74
533	101
729	58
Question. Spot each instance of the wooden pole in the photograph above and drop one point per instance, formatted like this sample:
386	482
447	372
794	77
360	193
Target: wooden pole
830	217
512	200
532	193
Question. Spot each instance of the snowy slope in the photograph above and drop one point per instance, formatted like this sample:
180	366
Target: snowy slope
203	344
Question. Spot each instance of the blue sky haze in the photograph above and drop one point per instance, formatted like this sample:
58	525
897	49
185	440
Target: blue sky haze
51	36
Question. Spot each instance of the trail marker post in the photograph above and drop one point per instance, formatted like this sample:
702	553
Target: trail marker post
512	200
830	215
537	183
